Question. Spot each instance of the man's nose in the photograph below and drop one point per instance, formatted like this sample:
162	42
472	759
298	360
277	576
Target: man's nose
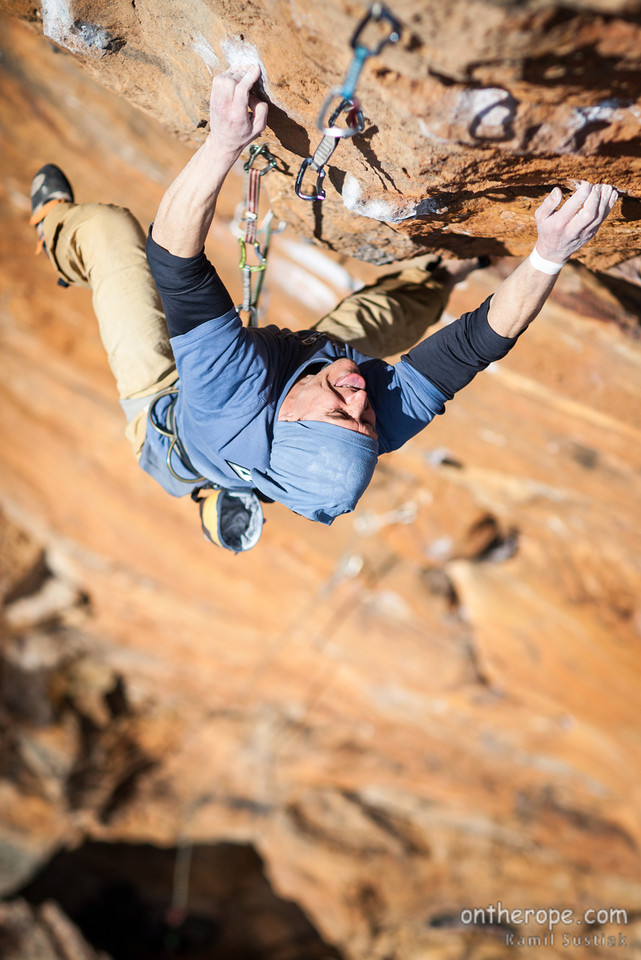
356	400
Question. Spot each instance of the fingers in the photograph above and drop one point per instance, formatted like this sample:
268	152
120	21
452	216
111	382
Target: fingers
222	90
244	82
562	231
243	98
236	82
598	205
260	118
237	116
609	197
248	79
576	201
588	212
549	205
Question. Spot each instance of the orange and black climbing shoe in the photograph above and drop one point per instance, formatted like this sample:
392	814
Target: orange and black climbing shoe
48	187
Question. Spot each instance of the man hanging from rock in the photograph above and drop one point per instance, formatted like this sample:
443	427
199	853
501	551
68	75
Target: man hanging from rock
301	417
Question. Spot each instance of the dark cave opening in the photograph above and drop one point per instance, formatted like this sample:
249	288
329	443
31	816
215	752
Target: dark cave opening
126	900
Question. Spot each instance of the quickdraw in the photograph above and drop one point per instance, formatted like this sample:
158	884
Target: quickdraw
251	290
348	103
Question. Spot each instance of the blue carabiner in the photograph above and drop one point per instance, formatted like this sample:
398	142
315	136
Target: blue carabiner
358	62
347	102
362	52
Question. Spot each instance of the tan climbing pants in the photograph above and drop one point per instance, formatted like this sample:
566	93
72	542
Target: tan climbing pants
103	247
389	316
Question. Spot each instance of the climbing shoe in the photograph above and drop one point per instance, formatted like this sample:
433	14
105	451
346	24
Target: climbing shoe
48	188
48	184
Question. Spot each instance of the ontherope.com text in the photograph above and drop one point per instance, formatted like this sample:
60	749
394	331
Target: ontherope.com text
543	916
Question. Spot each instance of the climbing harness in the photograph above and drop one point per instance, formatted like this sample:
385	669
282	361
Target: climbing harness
232	519
249	240
348	103
169	430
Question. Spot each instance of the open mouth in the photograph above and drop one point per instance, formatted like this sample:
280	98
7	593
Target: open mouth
351	380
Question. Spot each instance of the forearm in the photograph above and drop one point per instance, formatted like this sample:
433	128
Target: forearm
560	234
236	117
519	299
188	206
451	357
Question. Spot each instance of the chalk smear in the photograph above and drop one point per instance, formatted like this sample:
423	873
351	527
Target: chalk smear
390	210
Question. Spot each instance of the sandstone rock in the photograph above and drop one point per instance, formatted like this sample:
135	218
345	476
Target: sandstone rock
54	598
404	725
468	119
43	934
22	565
213	901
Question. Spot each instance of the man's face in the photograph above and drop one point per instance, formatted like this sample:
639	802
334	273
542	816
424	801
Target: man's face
336	394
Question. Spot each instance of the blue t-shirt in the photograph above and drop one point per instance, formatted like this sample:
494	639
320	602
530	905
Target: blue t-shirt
232	378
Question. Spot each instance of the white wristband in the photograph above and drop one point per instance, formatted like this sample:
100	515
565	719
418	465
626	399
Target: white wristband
543	265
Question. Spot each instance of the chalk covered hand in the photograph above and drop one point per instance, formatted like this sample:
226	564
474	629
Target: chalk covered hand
563	230
236	115
236	118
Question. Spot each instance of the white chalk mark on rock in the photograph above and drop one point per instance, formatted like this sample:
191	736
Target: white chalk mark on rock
57	23
75	35
383	209
205	51
241	53
487	112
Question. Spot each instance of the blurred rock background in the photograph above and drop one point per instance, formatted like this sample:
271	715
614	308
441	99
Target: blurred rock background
335	744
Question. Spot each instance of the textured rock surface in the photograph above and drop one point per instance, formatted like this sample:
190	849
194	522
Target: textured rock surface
45	934
468	119
432	706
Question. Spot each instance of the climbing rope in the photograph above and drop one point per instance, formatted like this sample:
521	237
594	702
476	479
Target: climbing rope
348	102
254	274
179	907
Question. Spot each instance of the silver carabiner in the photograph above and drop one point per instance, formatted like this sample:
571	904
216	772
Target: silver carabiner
320	176
348	105
376	13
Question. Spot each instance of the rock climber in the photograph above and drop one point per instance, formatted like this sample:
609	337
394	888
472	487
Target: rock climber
299	417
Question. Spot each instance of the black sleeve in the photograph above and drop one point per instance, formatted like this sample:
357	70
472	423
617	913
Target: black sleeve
452	356
190	289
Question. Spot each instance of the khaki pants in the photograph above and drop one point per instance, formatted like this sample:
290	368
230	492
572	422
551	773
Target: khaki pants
103	247
389	316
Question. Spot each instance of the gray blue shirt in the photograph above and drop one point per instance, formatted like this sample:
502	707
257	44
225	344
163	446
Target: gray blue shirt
233	378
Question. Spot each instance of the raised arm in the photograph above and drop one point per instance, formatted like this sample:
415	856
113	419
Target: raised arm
236	117
561	232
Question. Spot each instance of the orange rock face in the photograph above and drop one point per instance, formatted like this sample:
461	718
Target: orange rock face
430	707
468	118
